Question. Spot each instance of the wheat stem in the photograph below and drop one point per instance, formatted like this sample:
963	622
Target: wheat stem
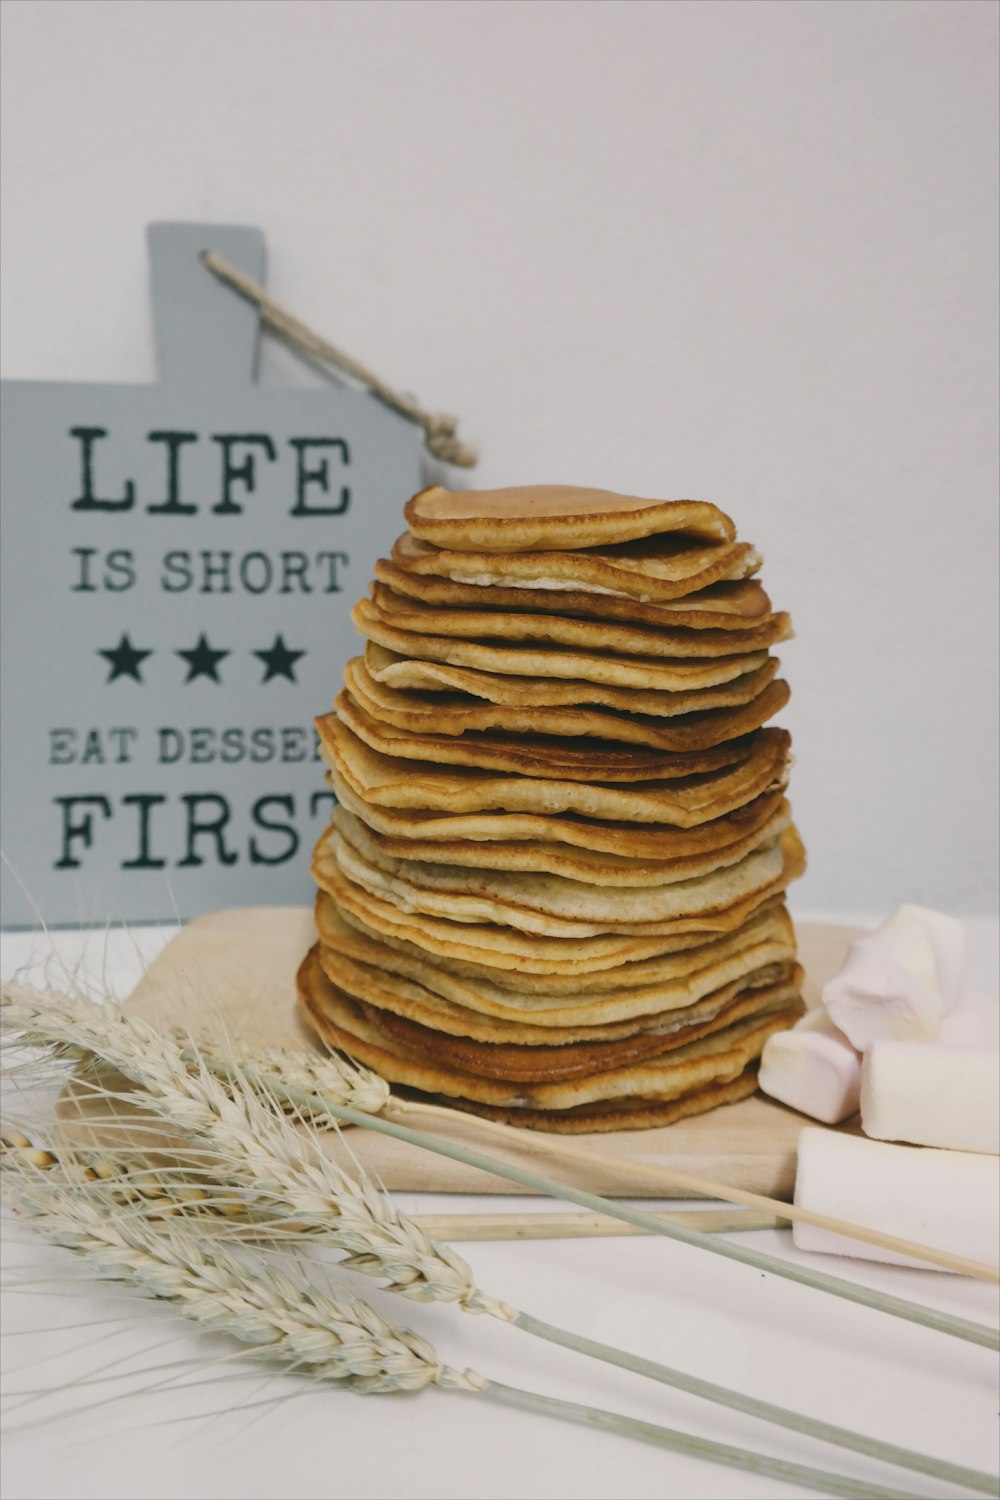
642	1175
528	1225
682	1442
827	1432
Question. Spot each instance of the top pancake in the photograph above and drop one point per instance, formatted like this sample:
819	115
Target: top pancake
651	570
538	517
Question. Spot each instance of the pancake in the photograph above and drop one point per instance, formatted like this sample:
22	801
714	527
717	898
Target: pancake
378	984
651	571
546	904
721	606
493	946
617	1114
545	1063
446	699
554	515
577	757
586	865
397	673
401	613
663	674
388	781
571	758
602	1116
681	978
562	833
409	1003
722	1056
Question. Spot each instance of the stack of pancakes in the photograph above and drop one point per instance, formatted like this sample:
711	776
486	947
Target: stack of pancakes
553	888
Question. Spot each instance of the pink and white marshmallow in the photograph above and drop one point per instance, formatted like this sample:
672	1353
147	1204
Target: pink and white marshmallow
900	981
813	1068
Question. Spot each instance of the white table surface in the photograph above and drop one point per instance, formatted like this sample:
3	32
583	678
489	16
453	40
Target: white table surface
120	1415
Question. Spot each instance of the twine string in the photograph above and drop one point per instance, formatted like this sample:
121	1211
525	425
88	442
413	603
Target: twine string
440	429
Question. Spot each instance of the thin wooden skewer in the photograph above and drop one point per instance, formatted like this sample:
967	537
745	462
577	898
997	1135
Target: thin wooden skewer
574	1226
641	1174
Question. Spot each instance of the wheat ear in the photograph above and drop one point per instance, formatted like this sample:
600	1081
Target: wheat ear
313	1072
339	1338
285	1317
248	1136
257	1149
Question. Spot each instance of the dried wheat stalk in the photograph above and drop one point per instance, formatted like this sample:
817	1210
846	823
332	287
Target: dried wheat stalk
246	1134
286	1317
319	1103
338	1338
254	1148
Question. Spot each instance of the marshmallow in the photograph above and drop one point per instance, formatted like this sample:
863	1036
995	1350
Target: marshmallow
932	1095
812	1067
899	981
949	1200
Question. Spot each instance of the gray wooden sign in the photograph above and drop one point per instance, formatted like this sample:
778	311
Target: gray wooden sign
179	563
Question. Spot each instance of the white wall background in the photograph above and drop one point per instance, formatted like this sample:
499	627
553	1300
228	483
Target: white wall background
732	249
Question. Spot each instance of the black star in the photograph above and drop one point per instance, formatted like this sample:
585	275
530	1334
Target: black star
202	661
279	661
125	660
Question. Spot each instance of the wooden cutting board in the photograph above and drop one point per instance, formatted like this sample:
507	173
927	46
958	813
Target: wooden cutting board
234	971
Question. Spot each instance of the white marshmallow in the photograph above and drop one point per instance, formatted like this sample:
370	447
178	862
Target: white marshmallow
932	1095
812	1067
949	1200
899	981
